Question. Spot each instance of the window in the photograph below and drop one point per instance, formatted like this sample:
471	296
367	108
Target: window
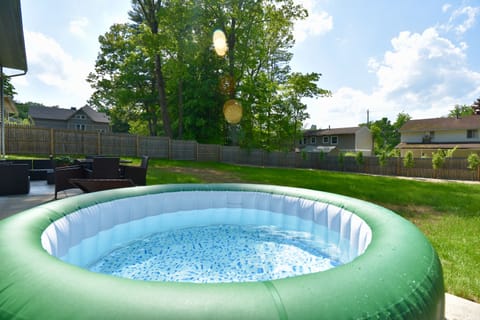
303	141
313	140
325	139
80	127
334	140
80	116
472	134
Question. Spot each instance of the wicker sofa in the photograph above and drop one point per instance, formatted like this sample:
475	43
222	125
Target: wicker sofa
14	178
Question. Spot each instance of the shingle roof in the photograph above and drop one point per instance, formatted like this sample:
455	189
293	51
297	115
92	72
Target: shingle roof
334	131
463	123
96	116
50	113
55	113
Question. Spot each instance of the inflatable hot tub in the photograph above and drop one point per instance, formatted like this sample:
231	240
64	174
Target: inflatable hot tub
388	270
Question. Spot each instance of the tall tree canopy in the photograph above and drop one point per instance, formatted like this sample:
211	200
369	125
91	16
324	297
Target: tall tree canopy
161	70
460	111
386	135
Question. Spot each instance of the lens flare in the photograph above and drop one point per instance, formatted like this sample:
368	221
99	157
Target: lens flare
232	110
220	43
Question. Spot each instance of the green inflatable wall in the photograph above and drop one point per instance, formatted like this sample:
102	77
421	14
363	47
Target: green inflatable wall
398	277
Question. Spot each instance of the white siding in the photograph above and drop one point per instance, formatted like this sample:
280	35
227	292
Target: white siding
364	141
439	137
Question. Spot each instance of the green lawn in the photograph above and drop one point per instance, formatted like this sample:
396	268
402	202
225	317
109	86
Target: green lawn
448	213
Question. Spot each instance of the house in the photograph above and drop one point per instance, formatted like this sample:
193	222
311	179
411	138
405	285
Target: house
84	119
10	107
333	141
425	136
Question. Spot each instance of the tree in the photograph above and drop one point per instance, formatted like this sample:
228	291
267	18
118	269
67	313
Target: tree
460	111
148	13
123	80
8	88
169	45
386	136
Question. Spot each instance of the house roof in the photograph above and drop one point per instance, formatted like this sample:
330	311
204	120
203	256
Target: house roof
55	113
463	123
100	117
334	131
12	44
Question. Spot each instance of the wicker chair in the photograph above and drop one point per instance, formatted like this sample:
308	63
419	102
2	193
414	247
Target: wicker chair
104	168
63	176
138	174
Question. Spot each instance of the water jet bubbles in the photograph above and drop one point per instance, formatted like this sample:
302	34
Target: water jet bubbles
220	43
232	110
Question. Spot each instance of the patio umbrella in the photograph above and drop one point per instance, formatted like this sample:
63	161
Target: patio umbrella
12	51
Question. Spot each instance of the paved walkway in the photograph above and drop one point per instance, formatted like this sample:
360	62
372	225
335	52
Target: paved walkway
456	307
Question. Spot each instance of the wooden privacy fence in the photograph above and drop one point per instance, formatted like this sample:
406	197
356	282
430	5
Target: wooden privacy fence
45	141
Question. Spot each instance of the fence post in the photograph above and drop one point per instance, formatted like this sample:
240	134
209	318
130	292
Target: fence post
137	146
169	149
52	142
99	141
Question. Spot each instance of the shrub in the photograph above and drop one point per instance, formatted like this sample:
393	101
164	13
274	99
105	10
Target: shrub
473	161
408	160
382	158
359	158
438	159
341	160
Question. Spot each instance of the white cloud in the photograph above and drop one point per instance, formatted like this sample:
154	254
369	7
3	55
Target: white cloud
424	75
462	19
50	65
77	27
446	7
317	23
470	15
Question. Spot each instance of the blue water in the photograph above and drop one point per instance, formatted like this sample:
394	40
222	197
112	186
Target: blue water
217	253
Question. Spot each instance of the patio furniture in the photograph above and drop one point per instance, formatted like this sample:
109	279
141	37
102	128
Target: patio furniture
14	178
63	176
138	174
93	185
104	168
41	168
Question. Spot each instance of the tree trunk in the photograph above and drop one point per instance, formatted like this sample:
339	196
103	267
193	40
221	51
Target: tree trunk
180	108
162	97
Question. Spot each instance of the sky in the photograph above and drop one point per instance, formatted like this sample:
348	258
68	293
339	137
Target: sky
387	57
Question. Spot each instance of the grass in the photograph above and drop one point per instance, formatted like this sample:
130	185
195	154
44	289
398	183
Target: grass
448	213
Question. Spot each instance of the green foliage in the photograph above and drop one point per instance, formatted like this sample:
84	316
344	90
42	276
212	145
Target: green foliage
408	160
161	70
386	136
341	160
382	158
460	110
473	161
8	88
438	159
359	158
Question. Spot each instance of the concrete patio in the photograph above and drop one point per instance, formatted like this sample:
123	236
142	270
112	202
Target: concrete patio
40	192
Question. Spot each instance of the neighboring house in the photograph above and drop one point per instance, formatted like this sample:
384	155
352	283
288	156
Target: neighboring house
10	108
423	137
84	119
337	140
